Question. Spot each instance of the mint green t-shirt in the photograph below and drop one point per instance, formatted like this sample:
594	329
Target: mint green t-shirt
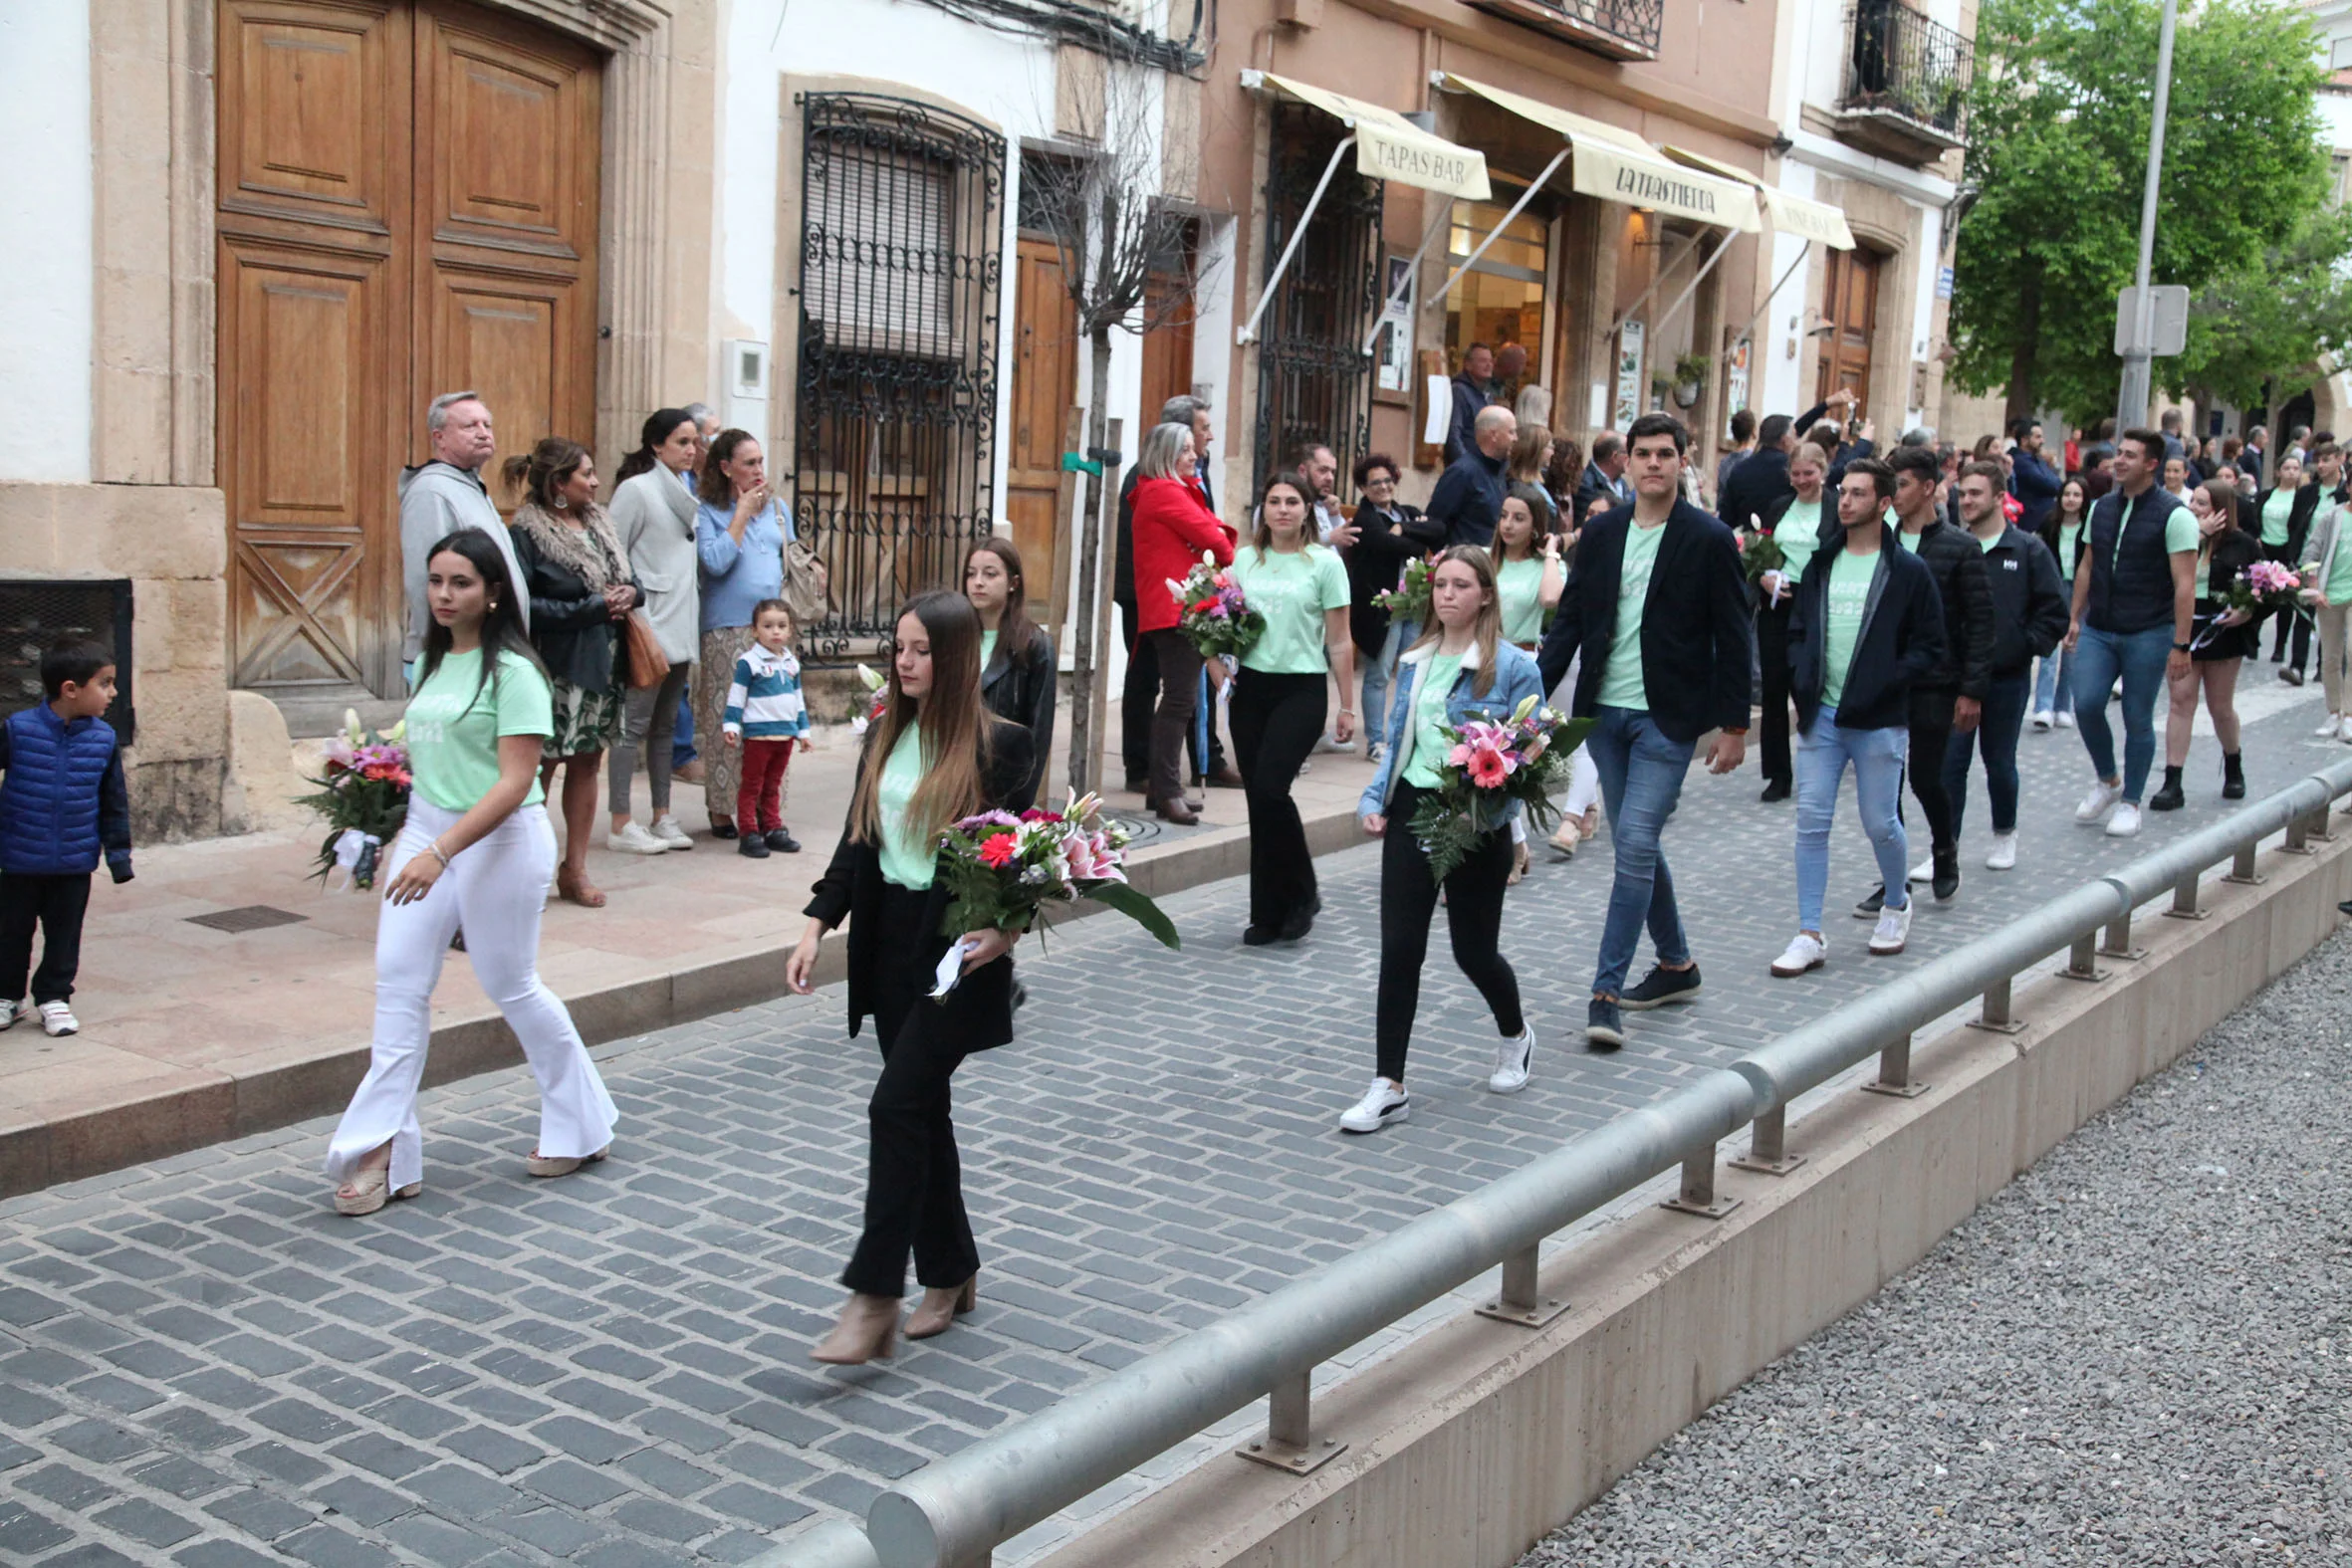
455	731
988	648
1430	745
2276	512
2068	534
1986	545
1798	534
1621	683
2337	587
1518	592
1843	608
1291	592
907	861
1909	542
2180	532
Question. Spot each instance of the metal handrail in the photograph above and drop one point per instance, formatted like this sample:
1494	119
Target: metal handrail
958	1509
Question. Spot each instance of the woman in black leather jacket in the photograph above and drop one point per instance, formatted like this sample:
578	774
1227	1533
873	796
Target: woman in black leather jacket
1019	671
580	588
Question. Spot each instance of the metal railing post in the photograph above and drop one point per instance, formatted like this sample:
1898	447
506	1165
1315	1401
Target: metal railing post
2298	838
1522	1299
1768	1146
2082	959
1999	1013
1894	1072
2319	827
2118	943
2242	867
1289	1441
1698	1195
2185	904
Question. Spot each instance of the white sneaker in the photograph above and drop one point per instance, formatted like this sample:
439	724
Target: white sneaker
2004	854
1380	1106
2099	801
1804	952
1375	753
2066	720
2125	822
2045	719
672	836
1892	931
58	1018
1512	1057
1324	742
9	1012
2331	731
1925	871
634	841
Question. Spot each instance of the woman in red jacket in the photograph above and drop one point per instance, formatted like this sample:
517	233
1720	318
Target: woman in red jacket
1173	529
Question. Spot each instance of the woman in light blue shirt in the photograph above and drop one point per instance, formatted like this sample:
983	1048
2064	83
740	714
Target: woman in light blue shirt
738	536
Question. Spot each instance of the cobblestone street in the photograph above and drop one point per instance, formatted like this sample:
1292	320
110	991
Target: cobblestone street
201	1363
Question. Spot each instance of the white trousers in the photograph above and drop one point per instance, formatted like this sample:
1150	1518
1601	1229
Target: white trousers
1584	777
496	890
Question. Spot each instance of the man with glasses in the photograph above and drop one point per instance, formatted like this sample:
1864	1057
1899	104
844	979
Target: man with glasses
1389	534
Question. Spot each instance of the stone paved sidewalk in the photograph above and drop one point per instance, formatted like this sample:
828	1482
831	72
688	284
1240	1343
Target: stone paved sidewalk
201	1365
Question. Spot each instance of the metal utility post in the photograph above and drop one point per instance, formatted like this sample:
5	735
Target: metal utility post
2131	402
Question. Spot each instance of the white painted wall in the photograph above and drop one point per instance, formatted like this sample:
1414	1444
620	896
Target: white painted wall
46	205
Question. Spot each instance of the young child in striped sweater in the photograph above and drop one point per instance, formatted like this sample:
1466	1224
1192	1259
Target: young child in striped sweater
768	719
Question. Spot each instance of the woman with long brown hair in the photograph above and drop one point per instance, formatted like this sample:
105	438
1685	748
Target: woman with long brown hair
577	576
1461	668
935	755
2224	639
1017	669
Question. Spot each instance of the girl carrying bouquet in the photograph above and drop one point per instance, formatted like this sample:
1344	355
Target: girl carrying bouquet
934	756
1460	669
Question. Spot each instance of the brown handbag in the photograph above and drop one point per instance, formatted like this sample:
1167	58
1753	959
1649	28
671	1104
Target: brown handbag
648	665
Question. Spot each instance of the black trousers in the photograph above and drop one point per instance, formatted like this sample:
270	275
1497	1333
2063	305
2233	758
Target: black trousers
1931	736
1474	919
1139	695
914	1183
56	904
1772	652
1277	719
2299	619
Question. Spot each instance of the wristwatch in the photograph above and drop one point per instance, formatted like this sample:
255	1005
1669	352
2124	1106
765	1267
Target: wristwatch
2180	647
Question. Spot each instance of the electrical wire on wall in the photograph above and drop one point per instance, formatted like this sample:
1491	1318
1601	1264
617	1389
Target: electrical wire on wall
1089	27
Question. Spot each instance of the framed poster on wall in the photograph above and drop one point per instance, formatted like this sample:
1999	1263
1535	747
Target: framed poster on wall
1392	348
1735	381
1628	401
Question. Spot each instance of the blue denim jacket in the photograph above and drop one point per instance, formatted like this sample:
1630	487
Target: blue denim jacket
1515	680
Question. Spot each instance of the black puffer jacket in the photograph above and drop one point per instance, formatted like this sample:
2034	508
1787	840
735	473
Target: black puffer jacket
1956	563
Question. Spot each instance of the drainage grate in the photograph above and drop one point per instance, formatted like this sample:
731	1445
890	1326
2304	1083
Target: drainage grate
252	917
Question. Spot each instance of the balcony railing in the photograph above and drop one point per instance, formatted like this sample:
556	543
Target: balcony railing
1906	87
1618	28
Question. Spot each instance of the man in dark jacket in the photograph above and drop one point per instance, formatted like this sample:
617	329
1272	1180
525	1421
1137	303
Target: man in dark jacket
1866	625
1953	695
1604	476
2028	623
2034	479
1473	390
1468	500
1657	607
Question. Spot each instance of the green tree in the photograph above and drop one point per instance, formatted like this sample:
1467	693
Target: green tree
2057	150
2256	333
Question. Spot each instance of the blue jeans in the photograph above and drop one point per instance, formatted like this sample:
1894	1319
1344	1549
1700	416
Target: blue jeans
1641	774
1378	671
682	738
2139	657
2005	718
2054	689
1822	752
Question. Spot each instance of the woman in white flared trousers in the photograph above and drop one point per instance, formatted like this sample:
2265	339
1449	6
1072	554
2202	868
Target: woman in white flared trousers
477	852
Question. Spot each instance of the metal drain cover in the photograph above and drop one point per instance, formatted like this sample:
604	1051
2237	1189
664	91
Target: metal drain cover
1140	831
251	917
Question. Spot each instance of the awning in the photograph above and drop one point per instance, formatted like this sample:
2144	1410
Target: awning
1617	165
1388	145
1798	215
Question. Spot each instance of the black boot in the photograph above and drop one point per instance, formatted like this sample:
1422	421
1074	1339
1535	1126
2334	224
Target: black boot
2168	798
2233	777
1947	873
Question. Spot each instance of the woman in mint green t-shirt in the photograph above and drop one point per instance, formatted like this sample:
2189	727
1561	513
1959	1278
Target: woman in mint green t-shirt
1278	699
477	852
1795	527
1529	574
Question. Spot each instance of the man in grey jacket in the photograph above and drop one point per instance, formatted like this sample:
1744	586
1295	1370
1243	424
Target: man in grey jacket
440	497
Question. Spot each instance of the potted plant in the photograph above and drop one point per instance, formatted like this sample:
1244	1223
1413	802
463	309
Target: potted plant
1690	379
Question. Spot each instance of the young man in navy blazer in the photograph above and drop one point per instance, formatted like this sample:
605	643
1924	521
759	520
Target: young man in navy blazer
1658	607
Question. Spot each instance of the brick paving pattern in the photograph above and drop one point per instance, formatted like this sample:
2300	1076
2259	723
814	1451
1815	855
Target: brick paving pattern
201	1365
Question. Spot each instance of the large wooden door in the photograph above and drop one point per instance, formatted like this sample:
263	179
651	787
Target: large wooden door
406	204
1044	385
1849	312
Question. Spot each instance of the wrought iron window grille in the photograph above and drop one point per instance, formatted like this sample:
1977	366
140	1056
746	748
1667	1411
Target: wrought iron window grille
1617	29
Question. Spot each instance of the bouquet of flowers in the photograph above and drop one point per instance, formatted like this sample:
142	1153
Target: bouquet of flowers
1409	600
2265	588
880	700
1002	871
1759	553
364	794
1490	763
1212	614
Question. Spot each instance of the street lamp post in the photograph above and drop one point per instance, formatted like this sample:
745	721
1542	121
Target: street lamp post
2131	402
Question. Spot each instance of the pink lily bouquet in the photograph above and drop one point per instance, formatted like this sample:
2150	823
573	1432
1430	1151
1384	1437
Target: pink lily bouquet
1212	614
1490	763
2265	587
1002	871
364	794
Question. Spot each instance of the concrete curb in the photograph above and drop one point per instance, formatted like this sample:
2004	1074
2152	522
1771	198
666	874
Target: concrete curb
1474	1441
190	1108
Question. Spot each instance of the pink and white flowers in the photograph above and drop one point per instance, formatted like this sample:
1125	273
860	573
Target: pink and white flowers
1002	869
1212	612
1491	765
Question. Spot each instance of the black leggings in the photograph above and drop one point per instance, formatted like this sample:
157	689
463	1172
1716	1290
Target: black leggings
1474	919
1277	719
1931	735
1772	653
914	1185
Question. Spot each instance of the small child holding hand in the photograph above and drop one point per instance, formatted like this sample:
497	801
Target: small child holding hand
767	717
63	804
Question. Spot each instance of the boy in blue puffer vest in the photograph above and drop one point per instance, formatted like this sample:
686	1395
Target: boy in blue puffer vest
63	804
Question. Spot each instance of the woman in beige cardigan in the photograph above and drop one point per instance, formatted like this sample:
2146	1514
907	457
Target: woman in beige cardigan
653	513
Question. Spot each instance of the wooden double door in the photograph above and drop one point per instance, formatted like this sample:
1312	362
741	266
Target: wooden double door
1850	318
407	195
